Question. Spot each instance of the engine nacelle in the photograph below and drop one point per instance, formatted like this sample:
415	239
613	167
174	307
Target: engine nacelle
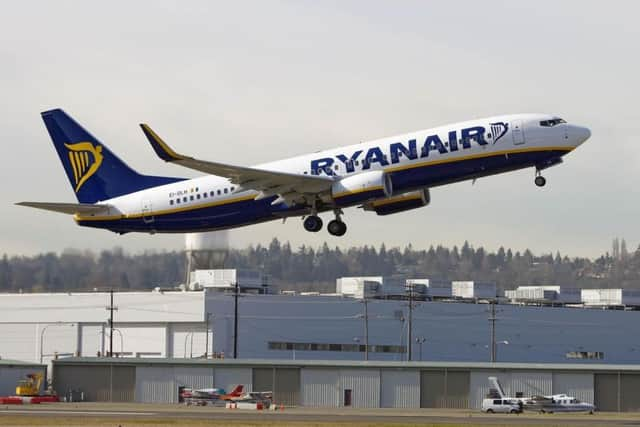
361	188
400	203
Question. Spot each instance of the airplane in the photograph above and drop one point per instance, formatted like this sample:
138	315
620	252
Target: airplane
385	176
545	404
213	393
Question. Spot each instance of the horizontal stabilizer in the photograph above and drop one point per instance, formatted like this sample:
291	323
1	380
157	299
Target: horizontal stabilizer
67	208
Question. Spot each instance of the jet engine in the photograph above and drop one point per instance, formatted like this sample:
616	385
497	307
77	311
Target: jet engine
361	188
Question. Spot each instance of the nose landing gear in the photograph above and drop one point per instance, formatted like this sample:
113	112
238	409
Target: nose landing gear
540	180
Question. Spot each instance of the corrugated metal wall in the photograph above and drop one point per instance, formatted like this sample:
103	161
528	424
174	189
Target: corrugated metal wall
364	385
457	389
160	384
286	389
10	375
320	387
399	388
99	383
228	378
195	377
578	385
155	385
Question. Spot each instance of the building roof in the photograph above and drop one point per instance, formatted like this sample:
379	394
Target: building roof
344	364
11	362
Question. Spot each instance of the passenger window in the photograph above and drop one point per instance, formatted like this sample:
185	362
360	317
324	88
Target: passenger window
198	196
204	195
191	198
184	199
171	202
219	192
212	193
225	191
233	188
177	200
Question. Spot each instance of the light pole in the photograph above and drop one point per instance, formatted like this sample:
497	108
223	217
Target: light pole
186	337
42	336
206	344
121	340
420	340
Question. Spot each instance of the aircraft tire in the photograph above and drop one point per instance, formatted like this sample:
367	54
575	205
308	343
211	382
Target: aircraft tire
337	228
540	181
313	223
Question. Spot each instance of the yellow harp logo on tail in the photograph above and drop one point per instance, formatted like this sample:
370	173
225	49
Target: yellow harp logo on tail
85	161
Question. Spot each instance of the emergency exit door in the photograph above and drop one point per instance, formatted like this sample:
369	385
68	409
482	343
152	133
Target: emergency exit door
517	132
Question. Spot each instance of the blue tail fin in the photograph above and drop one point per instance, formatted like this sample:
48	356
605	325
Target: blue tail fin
94	172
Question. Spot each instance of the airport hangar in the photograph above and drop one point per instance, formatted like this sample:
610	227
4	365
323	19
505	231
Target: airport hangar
335	384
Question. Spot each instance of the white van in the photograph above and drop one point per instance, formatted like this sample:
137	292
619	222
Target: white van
507	406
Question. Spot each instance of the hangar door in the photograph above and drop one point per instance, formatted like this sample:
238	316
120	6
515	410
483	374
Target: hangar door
283	382
444	389
99	383
614	392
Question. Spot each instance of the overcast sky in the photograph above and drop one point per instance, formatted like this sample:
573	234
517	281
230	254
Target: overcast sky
250	82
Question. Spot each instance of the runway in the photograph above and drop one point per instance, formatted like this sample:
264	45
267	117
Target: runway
150	414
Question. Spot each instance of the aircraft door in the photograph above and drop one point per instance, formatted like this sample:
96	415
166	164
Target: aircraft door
147	214
517	132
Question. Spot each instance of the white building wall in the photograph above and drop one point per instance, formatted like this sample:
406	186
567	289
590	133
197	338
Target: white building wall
91	340
91	307
578	385
399	388
228	378
139	340
364	385
320	387
189	340
19	341
58	338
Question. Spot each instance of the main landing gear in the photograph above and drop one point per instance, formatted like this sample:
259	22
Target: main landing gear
540	180
336	227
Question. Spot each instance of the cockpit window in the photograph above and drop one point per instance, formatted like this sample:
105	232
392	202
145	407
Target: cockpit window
552	122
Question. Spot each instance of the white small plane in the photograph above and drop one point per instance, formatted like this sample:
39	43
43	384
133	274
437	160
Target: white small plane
549	404
387	175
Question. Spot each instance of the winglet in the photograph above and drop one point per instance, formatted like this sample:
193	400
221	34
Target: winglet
159	146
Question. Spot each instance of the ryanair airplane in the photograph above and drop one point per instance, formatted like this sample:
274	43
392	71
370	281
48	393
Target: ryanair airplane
386	176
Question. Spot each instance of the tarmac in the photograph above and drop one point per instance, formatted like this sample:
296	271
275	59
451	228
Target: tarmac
182	414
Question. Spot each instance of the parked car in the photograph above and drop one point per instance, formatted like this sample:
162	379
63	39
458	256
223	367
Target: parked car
506	406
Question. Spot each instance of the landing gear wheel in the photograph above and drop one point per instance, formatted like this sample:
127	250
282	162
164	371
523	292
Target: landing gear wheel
313	223
336	227
540	181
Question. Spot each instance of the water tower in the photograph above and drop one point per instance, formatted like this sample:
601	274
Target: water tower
206	251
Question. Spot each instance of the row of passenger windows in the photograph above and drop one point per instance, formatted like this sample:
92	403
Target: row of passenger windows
200	196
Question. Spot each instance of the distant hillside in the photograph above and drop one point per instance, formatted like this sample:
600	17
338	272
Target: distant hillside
307	268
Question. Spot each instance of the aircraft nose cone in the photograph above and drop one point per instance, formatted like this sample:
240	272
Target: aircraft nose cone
580	134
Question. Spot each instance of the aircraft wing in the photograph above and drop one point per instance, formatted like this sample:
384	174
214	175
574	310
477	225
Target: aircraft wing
67	208
287	185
